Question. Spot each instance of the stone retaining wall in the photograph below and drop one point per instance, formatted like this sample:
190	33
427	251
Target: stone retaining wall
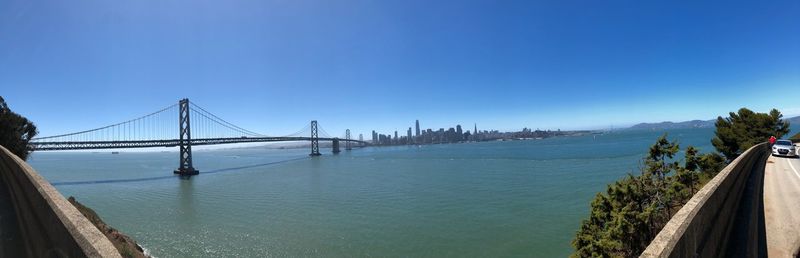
50	225
704	226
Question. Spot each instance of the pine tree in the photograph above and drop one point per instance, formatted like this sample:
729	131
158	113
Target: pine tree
632	211
742	130
15	131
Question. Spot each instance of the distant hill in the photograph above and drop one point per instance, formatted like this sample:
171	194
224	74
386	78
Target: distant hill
793	120
693	124
673	125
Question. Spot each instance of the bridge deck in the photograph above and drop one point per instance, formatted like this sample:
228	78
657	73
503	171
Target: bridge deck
87	145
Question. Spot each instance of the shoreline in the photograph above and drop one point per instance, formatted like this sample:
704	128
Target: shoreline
125	245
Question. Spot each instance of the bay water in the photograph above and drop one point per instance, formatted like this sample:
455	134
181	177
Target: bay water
506	198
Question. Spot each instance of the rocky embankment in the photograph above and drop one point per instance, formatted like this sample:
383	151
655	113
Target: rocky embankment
126	246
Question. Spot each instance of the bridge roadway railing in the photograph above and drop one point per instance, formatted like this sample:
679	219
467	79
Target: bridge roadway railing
49	225
724	218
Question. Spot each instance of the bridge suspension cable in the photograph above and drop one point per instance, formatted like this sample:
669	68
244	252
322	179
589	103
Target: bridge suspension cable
304	132
207	125
170	127
152	126
323	133
158	125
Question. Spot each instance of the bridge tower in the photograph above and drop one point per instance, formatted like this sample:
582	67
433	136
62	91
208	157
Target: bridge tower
314	139
185	166
335	146
347	138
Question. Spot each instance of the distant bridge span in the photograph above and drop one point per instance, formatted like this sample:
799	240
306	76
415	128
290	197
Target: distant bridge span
157	130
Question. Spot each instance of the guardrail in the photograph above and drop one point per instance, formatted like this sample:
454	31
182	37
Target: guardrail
50	226
720	218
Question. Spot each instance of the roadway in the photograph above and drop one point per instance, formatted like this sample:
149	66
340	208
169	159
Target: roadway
782	206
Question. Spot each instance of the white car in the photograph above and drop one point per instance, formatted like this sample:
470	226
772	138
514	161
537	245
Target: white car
784	148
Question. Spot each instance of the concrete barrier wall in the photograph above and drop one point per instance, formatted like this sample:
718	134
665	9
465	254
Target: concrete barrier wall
49	224
704	225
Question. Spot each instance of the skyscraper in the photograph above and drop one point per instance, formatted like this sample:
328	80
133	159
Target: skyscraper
475	133
417	128
408	139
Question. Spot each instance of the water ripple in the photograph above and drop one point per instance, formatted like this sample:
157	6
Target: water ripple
128	180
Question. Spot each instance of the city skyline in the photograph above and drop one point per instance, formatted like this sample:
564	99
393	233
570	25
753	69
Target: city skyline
457	134
270	68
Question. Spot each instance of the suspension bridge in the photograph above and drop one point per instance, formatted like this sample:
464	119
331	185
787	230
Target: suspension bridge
196	126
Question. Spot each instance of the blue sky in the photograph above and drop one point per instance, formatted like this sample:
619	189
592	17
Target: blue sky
271	66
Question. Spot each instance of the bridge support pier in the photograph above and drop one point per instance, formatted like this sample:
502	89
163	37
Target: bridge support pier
347	144
335	144
314	139
185	167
